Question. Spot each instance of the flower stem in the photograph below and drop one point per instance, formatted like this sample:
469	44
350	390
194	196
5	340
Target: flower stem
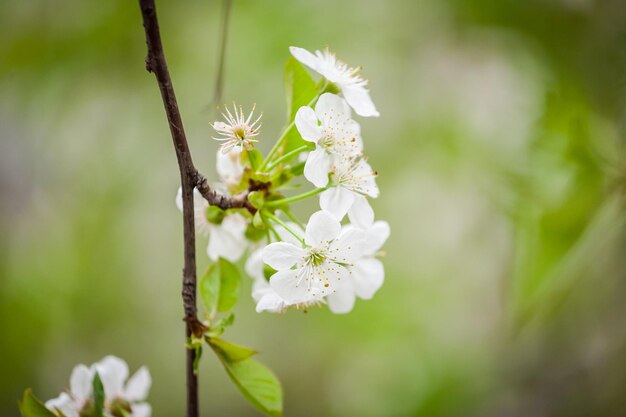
286	156
295	198
293	218
287	228
283	136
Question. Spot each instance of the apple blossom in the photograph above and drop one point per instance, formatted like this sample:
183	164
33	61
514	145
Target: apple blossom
351	84
238	132
120	394
332	130
229	168
315	269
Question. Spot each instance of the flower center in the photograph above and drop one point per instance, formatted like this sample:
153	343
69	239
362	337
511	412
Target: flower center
316	257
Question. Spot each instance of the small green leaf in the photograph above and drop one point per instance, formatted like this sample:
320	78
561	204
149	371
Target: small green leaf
31	406
258	385
215	214
98	395
230	281
196	359
301	90
210	287
228	351
219	287
254	157
256	198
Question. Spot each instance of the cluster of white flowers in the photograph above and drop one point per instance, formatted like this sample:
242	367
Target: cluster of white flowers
325	261
121	397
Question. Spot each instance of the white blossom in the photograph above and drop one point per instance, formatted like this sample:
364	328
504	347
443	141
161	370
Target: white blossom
349	81
315	270
130	395
70	404
334	133
368	273
229	167
352	180
238	132
226	240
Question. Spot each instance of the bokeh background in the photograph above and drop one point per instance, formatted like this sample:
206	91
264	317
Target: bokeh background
502	166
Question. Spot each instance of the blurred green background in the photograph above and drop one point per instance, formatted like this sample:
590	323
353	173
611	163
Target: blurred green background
501	157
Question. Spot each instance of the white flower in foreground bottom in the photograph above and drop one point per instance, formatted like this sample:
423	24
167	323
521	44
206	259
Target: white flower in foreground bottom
227	239
351	84
336	134
313	271
122	395
264	295
70	405
352	179
368	273
238	132
229	167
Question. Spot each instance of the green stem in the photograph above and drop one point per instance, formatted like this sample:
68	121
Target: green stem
295	198
287	228
283	136
293	218
286	156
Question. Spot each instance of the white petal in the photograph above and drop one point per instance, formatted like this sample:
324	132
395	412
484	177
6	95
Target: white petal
228	241
304	57
359	99
337	200
287	285
270	302
368	276
286	236
337	275
179	199
361	213
322	228
113	372
331	105
307	125
282	255
349	247
141	410
229	167
65	404
376	236
317	167
138	385
254	265
81	382
342	300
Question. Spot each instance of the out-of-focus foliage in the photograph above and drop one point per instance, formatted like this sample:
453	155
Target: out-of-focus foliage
501	156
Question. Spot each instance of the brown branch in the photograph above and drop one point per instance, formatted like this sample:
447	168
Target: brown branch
190	178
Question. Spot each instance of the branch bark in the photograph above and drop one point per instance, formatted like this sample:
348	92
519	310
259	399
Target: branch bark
189	178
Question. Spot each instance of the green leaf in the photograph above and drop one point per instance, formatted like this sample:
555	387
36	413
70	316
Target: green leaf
254	157
31	406
228	351
98	395
230	280
301	90
257	383
219	286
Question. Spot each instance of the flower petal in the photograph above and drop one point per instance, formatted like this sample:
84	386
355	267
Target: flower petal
368	276
361	213
64	404
376	236
307	125
304	57
289	286
81	382
337	200
254	265
349	247
359	99
228	241
138	385
331	105
282	255
317	167
342	300
141	410
322	228
113	372
270	302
